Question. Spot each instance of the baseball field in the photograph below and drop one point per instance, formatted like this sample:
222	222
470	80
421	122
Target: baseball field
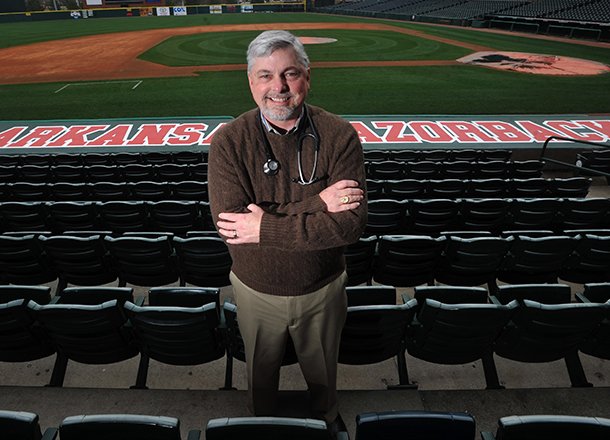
194	66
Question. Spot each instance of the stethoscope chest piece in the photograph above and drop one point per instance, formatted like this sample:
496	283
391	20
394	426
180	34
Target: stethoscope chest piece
271	167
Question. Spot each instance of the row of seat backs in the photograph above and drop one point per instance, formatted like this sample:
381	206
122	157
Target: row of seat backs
557	187
463	154
463	328
95	259
392	169
179	217
104	191
387	425
386	216
168	172
104	158
194	157
432	216
398	189
412	260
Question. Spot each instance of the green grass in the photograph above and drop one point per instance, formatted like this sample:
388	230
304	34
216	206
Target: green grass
366	45
398	90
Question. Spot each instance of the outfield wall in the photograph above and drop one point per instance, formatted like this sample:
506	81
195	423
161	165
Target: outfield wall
160	11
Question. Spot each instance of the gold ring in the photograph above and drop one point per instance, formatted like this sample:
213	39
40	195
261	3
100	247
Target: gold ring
344	199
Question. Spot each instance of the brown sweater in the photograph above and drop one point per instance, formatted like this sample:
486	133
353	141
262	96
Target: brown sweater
301	244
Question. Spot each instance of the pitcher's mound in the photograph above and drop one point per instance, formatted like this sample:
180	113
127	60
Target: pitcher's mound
535	63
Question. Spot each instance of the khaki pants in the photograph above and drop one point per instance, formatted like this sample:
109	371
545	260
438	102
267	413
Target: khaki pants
313	321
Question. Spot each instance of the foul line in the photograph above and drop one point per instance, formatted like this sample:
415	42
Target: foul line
138	82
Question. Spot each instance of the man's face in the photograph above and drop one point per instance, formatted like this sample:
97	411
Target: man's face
279	85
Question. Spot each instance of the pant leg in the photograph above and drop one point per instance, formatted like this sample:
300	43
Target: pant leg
263	325
317	322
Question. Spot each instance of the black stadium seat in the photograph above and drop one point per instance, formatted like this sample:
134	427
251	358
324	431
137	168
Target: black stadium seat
415	425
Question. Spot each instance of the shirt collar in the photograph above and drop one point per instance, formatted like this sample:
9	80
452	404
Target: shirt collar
271	129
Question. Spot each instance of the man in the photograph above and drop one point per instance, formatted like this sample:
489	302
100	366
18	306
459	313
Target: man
287	209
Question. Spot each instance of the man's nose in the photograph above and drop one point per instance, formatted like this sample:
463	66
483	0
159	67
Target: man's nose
279	83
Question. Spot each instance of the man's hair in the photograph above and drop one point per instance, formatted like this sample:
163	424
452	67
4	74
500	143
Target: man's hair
270	41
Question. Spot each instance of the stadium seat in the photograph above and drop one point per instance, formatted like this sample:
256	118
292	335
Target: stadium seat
403	189
175	335
123	216
589	213
68	191
451	294
104	173
80	261
386	170
550	332
446	188
376	333
487	188
407	260
88	334
23	262
542	427
187	157
23	216
172	172
535	260
190	190
534	213
72	216
571	187
598	343
432	216
21	338
422	170
456	334
542	293
96	295
268	428
30	192
370	295
590	261
12	292
385	216
359	258
21	425
109	191
472	261
203	261
415	425
122	427
143	261
175	216
485	214
149	190
183	296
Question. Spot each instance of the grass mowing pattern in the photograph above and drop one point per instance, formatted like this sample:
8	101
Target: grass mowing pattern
397	90
361	45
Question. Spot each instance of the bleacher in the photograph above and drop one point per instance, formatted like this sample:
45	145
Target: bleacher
474	240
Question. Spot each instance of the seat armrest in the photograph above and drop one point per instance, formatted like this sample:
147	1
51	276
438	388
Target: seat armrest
139	300
581	298
486	435
50	434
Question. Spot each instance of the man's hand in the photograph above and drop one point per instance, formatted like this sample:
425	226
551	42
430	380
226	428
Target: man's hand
241	228
343	195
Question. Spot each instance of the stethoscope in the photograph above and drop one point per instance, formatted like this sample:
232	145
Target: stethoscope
272	166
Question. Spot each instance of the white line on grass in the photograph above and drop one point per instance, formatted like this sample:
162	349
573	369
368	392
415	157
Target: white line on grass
138	82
